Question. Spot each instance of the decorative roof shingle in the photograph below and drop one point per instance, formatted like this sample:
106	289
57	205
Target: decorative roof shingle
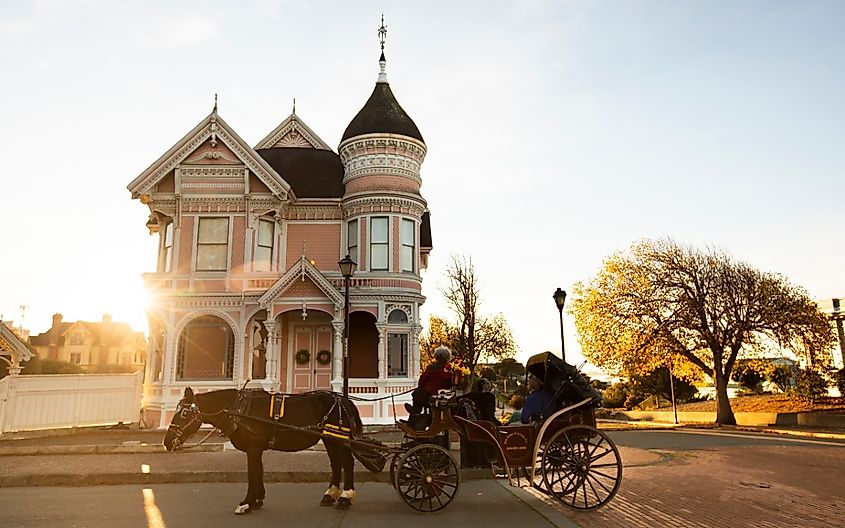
311	173
382	113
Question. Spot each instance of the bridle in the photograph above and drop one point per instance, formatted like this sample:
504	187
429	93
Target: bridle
187	411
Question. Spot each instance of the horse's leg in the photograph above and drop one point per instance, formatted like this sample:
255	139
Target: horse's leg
254	469
348	494
333	492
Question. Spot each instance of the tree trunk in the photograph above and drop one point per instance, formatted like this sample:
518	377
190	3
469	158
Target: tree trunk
724	413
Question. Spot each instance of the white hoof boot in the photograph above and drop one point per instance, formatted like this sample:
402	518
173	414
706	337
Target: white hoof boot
241	509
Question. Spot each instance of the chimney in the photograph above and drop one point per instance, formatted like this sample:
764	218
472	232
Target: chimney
57	320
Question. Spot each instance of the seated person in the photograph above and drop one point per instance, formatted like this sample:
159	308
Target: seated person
484	399
516	402
434	378
536	402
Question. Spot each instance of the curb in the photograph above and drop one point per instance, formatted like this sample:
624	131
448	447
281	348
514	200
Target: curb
539	504
186	477
126	449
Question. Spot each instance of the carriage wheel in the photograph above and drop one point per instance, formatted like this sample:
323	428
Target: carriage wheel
581	467
427	478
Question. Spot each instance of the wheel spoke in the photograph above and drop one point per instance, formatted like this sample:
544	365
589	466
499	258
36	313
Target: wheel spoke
600	483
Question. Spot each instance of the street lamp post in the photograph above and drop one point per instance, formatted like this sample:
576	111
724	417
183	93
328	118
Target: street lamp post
347	268
560	298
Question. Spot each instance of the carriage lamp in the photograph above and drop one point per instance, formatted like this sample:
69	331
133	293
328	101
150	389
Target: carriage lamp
560	298
347	268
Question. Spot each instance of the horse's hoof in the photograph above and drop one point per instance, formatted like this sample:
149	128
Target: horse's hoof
327	500
242	509
343	503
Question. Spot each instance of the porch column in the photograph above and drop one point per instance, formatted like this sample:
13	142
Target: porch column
168	375
337	353
382	351
273	353
414	352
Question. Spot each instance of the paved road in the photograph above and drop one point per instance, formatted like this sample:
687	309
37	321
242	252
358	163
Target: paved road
479	503
717	480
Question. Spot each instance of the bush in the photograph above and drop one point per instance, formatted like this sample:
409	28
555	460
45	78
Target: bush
781	376
839	379
810	384
749	374
36	365
615	396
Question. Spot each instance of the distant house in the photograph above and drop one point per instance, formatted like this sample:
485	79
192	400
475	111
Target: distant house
90	344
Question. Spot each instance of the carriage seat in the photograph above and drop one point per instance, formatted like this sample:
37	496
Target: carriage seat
444	398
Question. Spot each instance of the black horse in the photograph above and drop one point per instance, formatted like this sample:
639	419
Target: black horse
295	422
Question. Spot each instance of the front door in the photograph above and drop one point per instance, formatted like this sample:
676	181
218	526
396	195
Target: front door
312	369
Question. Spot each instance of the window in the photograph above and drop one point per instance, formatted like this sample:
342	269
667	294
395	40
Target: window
212	244
397	317
264	245
77	339
206	350
352	240
76	358
397	355
406	257
378	243
167	248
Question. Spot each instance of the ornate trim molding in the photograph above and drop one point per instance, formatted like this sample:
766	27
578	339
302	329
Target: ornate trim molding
301	270
381	163
216	128
212	171
382	144
415	205
292	132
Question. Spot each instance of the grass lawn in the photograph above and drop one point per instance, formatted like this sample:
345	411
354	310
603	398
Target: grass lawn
769	403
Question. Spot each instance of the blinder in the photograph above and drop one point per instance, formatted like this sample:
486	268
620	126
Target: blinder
189	412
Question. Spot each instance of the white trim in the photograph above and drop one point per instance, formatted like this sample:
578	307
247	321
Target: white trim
292	122
212	126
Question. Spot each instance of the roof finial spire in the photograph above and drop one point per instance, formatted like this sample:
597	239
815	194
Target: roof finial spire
382	62
294	106
214	110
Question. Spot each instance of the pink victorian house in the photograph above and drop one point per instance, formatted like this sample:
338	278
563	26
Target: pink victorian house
248	285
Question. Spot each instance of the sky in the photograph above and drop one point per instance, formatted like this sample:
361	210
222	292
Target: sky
558	133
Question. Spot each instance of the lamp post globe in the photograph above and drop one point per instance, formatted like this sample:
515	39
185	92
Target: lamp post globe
560	299
347	268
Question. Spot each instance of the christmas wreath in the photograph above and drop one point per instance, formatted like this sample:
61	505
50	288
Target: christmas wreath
324	357
302	357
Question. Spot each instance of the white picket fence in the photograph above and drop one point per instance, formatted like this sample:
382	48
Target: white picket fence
29	403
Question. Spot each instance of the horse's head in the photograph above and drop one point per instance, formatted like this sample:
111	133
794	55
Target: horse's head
185	423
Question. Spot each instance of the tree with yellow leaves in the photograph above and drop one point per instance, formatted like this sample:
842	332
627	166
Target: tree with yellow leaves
662	304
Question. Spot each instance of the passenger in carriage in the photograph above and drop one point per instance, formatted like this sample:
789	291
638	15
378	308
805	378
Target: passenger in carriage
536	402
484	399
516	402
434	378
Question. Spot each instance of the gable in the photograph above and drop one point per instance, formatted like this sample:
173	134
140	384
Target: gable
11	346
212	143
292	133
314	284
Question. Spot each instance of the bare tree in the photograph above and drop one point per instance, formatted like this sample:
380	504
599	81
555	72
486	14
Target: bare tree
475	337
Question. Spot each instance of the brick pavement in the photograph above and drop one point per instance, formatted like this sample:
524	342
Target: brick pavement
760	487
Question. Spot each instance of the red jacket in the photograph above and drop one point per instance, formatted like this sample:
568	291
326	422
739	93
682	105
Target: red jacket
434	378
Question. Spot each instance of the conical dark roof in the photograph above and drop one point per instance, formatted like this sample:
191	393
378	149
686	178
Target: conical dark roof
382	113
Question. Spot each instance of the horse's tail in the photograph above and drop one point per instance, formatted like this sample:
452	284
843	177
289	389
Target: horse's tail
371	458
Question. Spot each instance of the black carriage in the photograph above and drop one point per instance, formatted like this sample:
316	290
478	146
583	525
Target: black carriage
563	455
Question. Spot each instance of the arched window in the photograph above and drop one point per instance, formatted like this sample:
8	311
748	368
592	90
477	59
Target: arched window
206	350
397	317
